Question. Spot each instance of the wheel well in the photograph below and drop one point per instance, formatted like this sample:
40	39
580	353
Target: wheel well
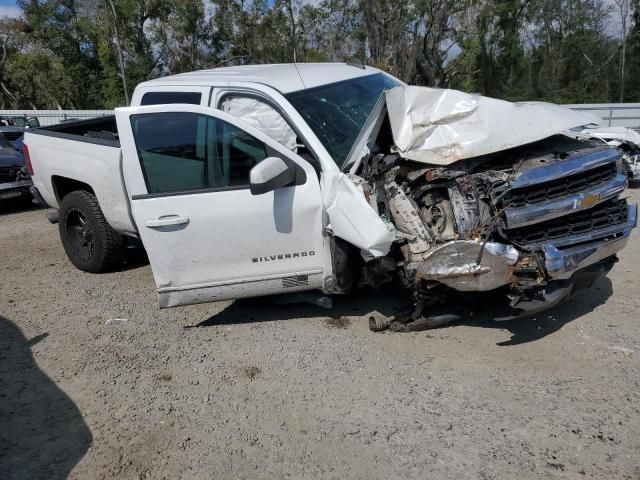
62	186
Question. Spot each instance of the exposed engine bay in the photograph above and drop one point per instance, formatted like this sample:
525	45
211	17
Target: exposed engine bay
528	225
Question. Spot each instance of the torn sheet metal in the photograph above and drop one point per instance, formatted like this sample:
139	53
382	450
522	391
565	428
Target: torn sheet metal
628	140
455	265
263	117
614	135
352	218
438	126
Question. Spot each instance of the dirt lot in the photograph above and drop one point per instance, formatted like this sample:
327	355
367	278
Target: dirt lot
96	382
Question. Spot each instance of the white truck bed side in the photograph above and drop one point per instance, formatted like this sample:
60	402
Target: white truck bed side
83	160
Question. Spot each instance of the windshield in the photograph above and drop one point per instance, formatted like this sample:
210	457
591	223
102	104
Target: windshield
337	112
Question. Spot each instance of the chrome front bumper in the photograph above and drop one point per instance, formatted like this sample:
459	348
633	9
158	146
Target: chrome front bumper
455	263
562	263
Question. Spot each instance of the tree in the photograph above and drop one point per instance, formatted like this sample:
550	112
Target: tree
384	25
632	90
92	53
118	42
435	32
331	31
65	28
185	38
572	59
624	8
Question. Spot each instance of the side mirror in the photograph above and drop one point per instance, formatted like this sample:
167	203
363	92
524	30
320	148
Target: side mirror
33	122
270	174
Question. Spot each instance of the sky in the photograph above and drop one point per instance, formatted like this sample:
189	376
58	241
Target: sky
8	8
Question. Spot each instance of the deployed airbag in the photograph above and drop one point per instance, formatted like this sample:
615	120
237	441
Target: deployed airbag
263	117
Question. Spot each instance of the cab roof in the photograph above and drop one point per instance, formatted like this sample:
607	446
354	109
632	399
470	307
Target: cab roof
286	77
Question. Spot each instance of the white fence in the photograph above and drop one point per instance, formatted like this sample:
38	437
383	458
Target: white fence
612	114
53	117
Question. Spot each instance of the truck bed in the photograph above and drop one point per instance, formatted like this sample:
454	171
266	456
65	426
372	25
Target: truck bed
101	128
84	154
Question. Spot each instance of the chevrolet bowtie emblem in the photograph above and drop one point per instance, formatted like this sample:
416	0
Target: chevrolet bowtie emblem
589	201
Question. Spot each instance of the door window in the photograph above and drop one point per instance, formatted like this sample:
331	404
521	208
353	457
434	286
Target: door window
182	151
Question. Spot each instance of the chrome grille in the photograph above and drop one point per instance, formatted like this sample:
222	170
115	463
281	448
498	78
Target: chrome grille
609	213
561	187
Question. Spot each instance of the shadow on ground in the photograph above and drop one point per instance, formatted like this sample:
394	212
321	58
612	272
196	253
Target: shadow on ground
634	183
389	301
18	205
42	433
135	255
524	330
361	302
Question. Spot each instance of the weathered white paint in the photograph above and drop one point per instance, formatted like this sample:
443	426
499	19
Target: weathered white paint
96	165
233	243
285	78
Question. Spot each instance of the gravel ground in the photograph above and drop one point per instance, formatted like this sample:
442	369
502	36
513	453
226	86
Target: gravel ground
97	382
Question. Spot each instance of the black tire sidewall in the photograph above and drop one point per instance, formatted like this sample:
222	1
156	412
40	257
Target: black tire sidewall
78	201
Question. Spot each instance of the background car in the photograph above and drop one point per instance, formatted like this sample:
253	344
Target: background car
14	178
13	135
21	121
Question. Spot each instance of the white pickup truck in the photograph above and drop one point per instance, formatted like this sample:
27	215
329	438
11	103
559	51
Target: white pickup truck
273	179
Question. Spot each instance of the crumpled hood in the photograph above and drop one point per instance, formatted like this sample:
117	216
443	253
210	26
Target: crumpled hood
614	135
440	127
10	158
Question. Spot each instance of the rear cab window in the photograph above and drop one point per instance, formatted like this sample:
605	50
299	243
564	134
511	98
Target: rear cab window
165	98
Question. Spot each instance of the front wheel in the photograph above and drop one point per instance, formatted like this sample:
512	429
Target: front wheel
89	241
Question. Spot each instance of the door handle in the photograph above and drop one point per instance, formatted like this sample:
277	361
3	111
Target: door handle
167	221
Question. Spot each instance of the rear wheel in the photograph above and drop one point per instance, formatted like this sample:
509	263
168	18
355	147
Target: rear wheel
89	241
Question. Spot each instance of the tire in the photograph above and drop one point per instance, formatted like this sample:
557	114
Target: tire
89	241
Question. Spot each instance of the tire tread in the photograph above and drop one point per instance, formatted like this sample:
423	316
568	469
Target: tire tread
112	243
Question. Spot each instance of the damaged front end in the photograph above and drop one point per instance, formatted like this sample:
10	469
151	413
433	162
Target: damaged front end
531	223
625	139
